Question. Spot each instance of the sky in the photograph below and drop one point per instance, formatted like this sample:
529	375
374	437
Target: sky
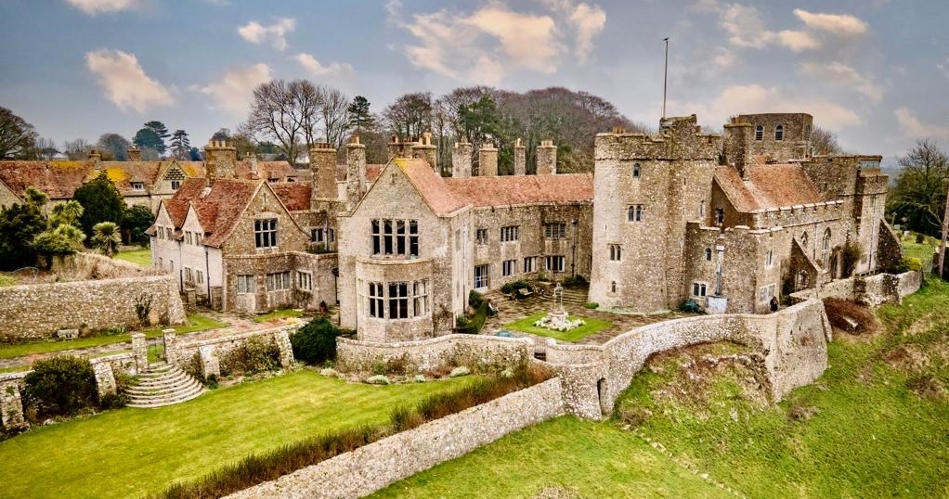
874	72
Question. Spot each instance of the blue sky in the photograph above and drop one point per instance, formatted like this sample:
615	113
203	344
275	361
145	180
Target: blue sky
876	72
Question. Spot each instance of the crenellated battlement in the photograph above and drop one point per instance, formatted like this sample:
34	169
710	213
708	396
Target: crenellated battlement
680	138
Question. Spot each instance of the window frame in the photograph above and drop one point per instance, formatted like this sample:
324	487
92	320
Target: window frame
635	213
555	263
779	133
699	289
509	233
759	132
616	252
246	284
265	233
482	276
509	267
555	230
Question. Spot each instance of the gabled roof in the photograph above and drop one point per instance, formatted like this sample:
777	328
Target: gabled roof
430	185
219	207
768	186
123	173
507	190
266	170
294	195
372	172
58	179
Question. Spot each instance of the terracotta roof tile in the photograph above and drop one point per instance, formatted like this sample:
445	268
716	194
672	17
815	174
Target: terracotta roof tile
123	173
430	185
58	179
266	170
219	208
506	190
372	172
294	195
177	211
768	186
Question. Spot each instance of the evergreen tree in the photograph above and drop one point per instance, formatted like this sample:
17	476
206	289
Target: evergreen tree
360	117
101	202
180	145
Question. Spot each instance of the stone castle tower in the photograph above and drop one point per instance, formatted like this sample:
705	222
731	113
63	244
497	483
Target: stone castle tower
645	190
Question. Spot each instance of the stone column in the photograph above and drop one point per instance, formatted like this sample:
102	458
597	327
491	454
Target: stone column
323	169
355	173
11	404
546	158
520	158
105	378
488	161
461	159
171	349
140	351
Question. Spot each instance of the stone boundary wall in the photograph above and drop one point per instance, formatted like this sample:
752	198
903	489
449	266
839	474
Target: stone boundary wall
11	386
379	464
210	352
457	349
792	343
872	291
37	311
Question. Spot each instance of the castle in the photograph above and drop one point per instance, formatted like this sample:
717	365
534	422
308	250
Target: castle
728	221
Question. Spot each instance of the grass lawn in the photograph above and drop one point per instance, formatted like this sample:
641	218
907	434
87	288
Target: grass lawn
278	314
141	257
195	323
587	458
135	452
526	325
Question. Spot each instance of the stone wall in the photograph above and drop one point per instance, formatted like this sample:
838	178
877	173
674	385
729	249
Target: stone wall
208	353
453	349
374	466
37	311
871	291
792	344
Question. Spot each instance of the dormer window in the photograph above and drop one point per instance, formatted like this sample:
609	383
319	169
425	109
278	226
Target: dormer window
138	186
759	132
779	132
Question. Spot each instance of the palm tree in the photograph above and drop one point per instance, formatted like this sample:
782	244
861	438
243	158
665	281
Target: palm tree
67	213
106	236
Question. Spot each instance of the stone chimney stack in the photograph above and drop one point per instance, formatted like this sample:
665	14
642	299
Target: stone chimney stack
546	158
520	158
134	154
426	150
461	159
736	149
323	170
251	158
488	161
355	173
220	159
95	157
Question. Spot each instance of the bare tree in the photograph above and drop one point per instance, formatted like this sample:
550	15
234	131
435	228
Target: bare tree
77	149
276	114
46	148
824	143
17	137
410	115
334	110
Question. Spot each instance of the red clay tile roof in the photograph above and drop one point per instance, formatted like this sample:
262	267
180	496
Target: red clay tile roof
430	185
768	186
372	172
266	170
506	190
123	173
219	208
294	195
177	211
58	179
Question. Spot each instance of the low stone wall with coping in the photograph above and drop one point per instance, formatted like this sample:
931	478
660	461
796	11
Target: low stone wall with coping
421	355
374	466
37	311
209	353
872	291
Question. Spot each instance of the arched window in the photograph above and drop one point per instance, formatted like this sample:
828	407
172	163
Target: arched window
719	216
804	239
826	244
779	132
636	170
708	254
613	287
759	132
702	208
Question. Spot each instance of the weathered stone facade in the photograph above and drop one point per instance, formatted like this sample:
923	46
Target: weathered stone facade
420	355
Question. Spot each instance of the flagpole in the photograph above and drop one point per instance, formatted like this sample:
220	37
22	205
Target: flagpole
665	78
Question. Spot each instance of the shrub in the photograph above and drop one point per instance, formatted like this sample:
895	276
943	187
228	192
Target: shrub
839	311
689	306
577	280
592	305
513	286
255	355
60	386
315	343
475	299
908	263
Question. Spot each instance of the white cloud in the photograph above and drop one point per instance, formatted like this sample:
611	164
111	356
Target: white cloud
588	22
944	67
913	128
724	59
835	24
276	33
318	69
93	7
235	91
484	45
749	99
125	83
798	41
745	26
845	76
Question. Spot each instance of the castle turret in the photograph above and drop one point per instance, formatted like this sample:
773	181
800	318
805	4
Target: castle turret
736	151
355	173
220	159
426	150
546	158
488	161
323	169
461	159
520	158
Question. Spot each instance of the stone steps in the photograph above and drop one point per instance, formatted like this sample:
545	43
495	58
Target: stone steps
163	385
